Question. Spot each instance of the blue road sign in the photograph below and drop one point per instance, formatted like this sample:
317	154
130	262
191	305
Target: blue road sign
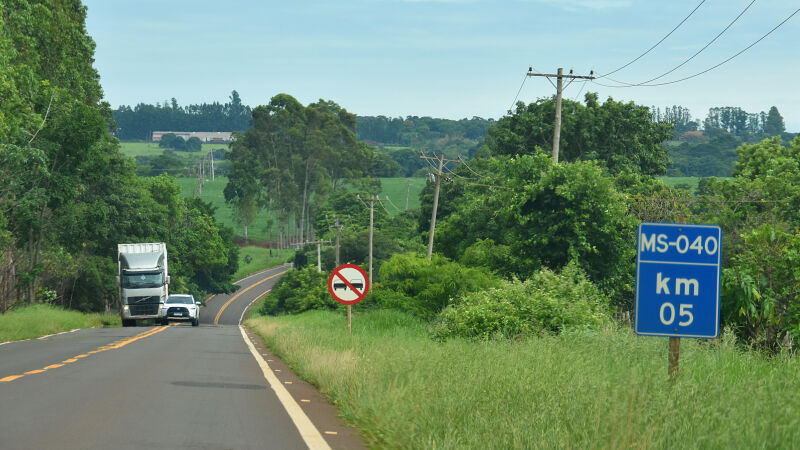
677	280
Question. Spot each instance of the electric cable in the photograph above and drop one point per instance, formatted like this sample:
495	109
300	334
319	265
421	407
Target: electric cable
656	44
646	83
714	66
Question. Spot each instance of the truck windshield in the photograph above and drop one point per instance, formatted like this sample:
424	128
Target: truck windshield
142	280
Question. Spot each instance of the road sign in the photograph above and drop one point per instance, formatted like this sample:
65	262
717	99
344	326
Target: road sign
348	284
677	280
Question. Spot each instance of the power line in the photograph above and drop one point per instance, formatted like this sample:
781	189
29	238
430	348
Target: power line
517	96
714	66
656	44
645	83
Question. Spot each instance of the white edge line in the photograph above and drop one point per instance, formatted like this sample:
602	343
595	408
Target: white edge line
311	436
251	303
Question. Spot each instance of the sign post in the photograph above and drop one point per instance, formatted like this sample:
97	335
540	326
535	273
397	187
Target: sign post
348	285
677	283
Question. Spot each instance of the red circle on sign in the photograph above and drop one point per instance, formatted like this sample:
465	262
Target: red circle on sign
339	280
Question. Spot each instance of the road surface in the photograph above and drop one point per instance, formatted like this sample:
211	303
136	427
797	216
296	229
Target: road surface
171	387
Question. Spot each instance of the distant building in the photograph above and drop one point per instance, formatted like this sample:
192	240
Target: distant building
211	137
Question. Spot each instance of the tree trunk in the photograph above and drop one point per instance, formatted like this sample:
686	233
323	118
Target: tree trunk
305	197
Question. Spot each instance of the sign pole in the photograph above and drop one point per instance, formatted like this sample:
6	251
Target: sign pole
349	315
674	357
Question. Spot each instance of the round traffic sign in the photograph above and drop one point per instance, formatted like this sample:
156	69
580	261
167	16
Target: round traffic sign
348	284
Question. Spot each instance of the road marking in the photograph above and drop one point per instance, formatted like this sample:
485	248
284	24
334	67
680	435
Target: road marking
305	401
308	431
112	346
216	319
333	433
254	300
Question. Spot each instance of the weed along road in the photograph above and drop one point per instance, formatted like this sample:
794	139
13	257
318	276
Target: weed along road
170	387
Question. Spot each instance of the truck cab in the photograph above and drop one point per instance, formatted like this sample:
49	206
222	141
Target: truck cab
143	280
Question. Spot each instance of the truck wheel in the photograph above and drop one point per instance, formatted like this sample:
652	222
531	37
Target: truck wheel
195	322
126	323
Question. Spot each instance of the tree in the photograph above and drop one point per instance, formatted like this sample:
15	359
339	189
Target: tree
621	136
774	126
194	144
167	140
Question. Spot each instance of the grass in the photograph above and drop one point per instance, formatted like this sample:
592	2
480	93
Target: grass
260	259
397	189
134	149
598	390
40	320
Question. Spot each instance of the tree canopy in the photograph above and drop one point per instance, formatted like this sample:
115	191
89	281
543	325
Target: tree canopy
621	136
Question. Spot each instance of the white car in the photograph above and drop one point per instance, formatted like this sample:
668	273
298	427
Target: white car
180	307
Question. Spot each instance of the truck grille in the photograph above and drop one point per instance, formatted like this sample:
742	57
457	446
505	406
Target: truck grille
144	310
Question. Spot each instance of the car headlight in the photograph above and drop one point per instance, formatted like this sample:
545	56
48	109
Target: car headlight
125	308
165	307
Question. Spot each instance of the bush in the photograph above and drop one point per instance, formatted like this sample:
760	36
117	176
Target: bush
298	291
425	287
549	302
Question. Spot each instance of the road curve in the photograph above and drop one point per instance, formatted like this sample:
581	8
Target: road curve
158	388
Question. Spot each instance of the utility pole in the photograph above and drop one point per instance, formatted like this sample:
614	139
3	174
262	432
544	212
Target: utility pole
211	153
371	225
372	200
408	191
338	231
441	160
559	88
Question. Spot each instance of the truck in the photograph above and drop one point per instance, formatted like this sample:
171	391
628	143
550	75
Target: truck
143	281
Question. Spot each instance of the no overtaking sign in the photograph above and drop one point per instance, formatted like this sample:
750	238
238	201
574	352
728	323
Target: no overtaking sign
348	284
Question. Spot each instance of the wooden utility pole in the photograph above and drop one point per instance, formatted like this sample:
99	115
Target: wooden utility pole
559	88
441	160
338	231
408	192
371	224
372	200
211	153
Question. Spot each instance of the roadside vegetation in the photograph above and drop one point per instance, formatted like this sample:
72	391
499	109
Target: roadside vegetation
582	389
40	320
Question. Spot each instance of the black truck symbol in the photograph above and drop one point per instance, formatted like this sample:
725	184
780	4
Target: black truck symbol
358	284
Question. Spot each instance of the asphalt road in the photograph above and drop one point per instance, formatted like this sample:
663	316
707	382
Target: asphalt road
206	387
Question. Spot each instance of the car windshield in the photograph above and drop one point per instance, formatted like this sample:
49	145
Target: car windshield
142	280
181	299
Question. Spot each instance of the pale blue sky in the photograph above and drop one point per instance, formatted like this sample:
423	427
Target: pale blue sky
442	58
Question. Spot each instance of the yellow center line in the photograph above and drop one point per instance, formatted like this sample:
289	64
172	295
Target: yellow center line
216	319
113	346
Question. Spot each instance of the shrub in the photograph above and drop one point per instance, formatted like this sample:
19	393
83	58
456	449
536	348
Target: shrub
426	287
549	302
298	291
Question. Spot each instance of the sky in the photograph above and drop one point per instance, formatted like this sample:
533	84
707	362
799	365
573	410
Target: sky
445	58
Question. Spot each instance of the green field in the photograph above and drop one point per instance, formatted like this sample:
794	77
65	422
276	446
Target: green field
397	188
578	390
135	149
39	320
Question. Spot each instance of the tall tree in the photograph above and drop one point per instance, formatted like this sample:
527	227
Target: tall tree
773	125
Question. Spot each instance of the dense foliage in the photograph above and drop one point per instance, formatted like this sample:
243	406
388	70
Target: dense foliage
620	136
138	122
67	194
298	291
548	302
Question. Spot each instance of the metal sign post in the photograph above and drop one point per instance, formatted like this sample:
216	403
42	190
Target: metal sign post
677	283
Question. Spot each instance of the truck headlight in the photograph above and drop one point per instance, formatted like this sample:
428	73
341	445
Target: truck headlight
125	308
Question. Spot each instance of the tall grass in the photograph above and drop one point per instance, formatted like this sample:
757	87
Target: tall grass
40	320
586	390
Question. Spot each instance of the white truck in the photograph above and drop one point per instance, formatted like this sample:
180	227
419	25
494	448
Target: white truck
143	281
